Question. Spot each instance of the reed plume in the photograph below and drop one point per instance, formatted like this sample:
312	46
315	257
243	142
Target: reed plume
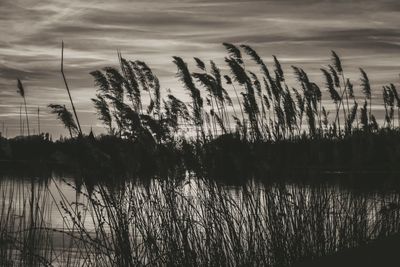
184	75
21	92
66	117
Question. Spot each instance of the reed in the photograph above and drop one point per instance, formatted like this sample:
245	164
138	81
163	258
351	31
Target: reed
200	222
270	109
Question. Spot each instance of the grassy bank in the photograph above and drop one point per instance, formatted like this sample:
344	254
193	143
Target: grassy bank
228	157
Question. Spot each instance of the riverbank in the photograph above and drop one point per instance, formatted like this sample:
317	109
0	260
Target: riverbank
227	158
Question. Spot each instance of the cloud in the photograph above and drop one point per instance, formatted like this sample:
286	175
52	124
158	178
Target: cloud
365	33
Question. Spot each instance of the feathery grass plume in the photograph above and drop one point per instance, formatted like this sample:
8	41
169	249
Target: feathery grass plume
238	73
21	91
276	90
208	124
266	102
233	52
298	96
154	89
336	62
200	64
325	115
281	117
175	109
301	101
298	73
267	88
253	54
119	114
65	116
316	99
385	96
335	76
227	97
312	93
147	72
278	70
217	77
391	96
349	87
220	93
228	79
289	108
388	100
300	104
365	85
336	81
116	81
219	121
184	75
157	96
311	120
331	87
103	112
256	83
152	83
101	81
351	117
129	120
316	92
364	116
132	85
395	94
310	90
251	111
140	71
208	82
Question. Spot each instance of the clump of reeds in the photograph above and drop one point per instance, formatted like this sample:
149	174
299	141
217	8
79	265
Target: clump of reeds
196	222
130	105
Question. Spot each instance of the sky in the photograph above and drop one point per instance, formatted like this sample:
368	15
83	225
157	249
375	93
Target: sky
364	33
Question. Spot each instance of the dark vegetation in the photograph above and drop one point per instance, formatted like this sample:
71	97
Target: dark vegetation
265	129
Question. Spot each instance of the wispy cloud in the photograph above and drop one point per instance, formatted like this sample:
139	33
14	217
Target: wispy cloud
366	33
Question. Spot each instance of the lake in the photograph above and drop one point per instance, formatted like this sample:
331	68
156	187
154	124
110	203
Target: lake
63	221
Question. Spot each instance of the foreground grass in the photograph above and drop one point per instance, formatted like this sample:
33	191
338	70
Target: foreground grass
195	222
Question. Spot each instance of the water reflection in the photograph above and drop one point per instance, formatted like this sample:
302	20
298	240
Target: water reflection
278	224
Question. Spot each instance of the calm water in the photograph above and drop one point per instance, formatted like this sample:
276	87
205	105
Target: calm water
336	213
17	193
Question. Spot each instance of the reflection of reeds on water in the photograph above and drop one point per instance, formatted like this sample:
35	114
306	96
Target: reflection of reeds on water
24	239
192	222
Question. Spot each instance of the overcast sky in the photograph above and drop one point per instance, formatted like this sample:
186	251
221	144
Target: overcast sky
364	33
